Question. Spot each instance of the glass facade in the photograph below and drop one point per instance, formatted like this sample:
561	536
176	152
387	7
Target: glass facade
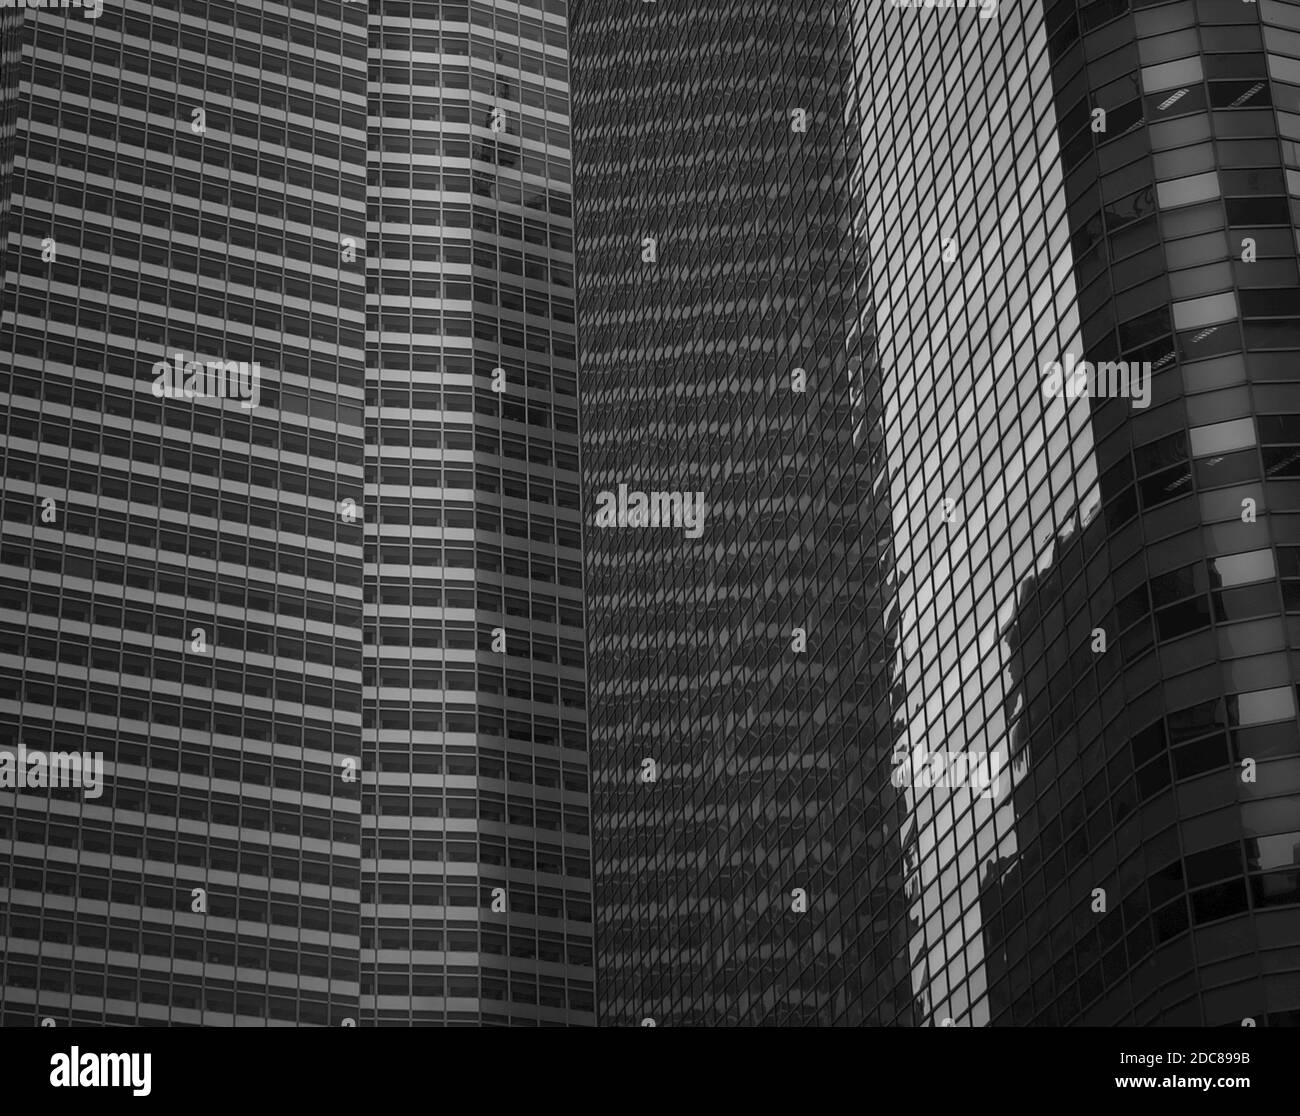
273	616
1064	335
1171	783
971	289
747	852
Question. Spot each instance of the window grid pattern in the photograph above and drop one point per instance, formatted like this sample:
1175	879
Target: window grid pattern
476	879
1160	137
305	536
172	516
766	794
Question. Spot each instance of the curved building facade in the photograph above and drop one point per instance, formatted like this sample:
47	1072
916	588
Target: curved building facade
1093	574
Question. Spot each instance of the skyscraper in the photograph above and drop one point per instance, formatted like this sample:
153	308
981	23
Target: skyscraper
270	594
1068	357
479	866
747	834
1180	858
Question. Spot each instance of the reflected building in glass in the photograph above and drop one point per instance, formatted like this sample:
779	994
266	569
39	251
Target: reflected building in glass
748	861
1094	587
1062	774
328	644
